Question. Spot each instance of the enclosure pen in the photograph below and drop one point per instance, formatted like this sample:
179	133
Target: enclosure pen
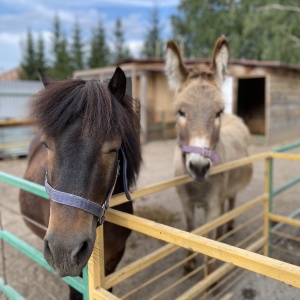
95	284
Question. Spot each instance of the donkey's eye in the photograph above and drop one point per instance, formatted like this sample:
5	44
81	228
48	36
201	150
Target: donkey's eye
219	113
180	113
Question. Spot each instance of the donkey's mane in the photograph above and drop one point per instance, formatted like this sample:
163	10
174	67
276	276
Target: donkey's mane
102	115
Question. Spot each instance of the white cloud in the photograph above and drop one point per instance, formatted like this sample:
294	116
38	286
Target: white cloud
38	15
135	47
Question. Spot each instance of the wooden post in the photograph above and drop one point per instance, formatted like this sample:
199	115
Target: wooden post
143	99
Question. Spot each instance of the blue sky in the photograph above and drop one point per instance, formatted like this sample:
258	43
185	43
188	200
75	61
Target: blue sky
16	16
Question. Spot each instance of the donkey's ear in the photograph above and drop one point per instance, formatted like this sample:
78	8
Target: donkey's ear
175	69
220	60
117	84
44	78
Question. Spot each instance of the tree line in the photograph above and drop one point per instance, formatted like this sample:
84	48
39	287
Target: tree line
70	56
255	30
262	30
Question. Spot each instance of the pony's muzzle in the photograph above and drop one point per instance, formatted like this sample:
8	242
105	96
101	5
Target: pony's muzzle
67	258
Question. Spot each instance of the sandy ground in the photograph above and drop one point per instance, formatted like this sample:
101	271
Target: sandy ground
165	207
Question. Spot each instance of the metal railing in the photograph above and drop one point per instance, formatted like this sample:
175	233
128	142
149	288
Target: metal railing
94	285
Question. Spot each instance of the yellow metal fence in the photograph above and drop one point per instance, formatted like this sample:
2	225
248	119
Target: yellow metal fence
195	241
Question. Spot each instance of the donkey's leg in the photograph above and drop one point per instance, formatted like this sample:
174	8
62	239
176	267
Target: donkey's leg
189	211
231	204
212	211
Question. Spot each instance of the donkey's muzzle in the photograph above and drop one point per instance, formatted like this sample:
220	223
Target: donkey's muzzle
199	171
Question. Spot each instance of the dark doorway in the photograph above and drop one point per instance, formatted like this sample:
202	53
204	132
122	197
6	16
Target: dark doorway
251	104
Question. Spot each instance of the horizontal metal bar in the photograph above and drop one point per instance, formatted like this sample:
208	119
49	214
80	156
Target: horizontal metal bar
17	122
293	215
14	145
286	186
9	291
37	256
217	274
288	147
102	294
285	220
162	252
272	268
286	156
24	184
121	198
15	94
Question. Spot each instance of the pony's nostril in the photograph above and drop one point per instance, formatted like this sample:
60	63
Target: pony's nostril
80	252
48	253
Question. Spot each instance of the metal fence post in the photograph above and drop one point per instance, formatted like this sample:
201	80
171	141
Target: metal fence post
96	272
268	206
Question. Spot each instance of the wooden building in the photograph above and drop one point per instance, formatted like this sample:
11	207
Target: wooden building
265	94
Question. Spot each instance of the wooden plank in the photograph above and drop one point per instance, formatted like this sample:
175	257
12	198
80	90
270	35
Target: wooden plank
162	252
272	268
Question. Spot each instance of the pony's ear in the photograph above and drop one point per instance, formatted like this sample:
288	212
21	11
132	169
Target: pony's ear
220	60
44	78
175	69
117	84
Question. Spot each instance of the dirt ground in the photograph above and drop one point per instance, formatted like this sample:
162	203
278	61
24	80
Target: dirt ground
34	282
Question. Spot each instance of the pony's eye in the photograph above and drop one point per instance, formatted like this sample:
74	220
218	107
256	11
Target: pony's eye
113	150
180	113
45	145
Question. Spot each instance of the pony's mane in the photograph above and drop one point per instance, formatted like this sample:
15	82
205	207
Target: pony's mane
102	115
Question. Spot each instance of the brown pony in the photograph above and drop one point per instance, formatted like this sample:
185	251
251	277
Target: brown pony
203	128
83	126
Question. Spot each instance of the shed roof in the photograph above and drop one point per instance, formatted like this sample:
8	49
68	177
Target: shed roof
157	64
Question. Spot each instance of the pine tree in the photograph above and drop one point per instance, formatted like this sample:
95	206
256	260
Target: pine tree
62	65
99	56
40	53
121	52
153	44
28	65
255	30
77	48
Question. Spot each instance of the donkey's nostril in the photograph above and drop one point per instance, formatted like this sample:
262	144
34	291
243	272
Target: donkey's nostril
193	167
199	170
206	167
